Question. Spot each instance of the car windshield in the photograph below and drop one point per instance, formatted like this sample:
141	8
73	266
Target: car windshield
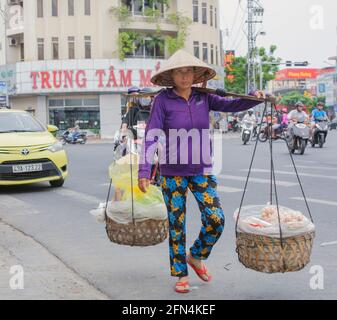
19	122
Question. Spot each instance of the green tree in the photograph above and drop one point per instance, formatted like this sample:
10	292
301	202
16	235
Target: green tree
238	69
289	99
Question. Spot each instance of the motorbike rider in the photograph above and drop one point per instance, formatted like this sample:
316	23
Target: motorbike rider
128	121
250	118
143	114
282	122
74	132
317	114
295	116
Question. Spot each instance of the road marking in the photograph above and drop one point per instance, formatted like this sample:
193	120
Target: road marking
306	161
325	244
257	180
82	197
328	203
310	167
228	189
15	206
294	174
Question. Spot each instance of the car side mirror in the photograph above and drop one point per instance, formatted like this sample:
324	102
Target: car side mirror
52	129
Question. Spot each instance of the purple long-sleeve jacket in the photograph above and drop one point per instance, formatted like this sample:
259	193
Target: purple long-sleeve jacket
180	129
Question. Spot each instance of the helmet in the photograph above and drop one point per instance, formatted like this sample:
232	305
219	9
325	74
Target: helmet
320	103
145	90
299	104
250	111
133	90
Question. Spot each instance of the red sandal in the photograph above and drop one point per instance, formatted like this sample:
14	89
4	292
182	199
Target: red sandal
200	272
185	285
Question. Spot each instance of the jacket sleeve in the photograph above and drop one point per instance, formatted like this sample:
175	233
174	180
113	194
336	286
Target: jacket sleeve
155	123
217	103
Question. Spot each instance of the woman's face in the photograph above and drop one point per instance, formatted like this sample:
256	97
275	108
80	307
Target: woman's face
183	77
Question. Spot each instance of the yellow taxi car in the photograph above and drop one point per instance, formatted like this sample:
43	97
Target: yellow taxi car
29	152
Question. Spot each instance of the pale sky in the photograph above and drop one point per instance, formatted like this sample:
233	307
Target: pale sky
303	30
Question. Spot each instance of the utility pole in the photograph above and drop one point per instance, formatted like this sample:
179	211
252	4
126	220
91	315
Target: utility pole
255	15
4	16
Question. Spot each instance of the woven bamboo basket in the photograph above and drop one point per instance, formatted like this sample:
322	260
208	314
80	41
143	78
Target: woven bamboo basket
266	254
140	234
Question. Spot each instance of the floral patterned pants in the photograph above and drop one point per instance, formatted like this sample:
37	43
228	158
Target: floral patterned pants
175	191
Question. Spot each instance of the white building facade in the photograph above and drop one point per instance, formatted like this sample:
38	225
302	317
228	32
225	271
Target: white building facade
63	59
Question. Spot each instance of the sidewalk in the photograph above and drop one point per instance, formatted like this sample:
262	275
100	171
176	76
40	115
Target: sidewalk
45	277
226	136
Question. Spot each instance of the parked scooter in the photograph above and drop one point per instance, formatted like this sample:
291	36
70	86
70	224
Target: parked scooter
320	133
298	137
74	138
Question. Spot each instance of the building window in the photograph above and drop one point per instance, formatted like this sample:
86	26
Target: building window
139	7
217	56
40	8
54	8
205	52
216	18
71	47
40	49
211	15
212	54
195	10
87	8
204	13
148	47
55	48
87	47
196	49
71	8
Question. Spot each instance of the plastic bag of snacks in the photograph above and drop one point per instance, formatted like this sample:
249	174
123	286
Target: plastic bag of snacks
128	197
264	220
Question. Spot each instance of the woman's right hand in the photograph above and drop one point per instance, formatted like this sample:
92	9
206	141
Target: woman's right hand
144	184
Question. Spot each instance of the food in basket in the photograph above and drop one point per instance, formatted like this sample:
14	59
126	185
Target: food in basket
270	214
264	220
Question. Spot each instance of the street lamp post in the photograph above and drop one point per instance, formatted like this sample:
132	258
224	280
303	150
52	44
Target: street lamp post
4	16
334	82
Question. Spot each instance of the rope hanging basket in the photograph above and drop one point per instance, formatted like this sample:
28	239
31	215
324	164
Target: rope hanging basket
133	218
142	234
274	254
269	255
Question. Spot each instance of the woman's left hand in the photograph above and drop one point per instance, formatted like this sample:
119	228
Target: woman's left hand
260	94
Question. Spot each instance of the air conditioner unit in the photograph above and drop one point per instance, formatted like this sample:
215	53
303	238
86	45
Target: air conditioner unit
13	42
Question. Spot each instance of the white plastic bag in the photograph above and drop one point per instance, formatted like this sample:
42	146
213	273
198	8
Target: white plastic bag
264	220
99	213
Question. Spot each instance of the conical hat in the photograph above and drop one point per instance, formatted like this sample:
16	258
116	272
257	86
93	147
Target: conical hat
183	59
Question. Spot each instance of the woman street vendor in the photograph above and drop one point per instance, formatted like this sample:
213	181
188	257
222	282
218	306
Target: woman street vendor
183	167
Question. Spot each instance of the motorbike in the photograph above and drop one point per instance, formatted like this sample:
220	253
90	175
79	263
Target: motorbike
79	138
265	133
298	137
320	133
247	131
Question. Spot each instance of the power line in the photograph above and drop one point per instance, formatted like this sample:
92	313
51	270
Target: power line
238	31
233	23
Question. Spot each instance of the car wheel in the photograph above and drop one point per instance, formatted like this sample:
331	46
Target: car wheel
57	183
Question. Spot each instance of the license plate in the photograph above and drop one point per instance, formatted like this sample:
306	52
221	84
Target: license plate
27	168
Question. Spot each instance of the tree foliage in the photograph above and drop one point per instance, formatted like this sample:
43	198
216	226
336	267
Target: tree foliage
238	69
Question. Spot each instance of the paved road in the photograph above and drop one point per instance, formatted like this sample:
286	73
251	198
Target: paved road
60	221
